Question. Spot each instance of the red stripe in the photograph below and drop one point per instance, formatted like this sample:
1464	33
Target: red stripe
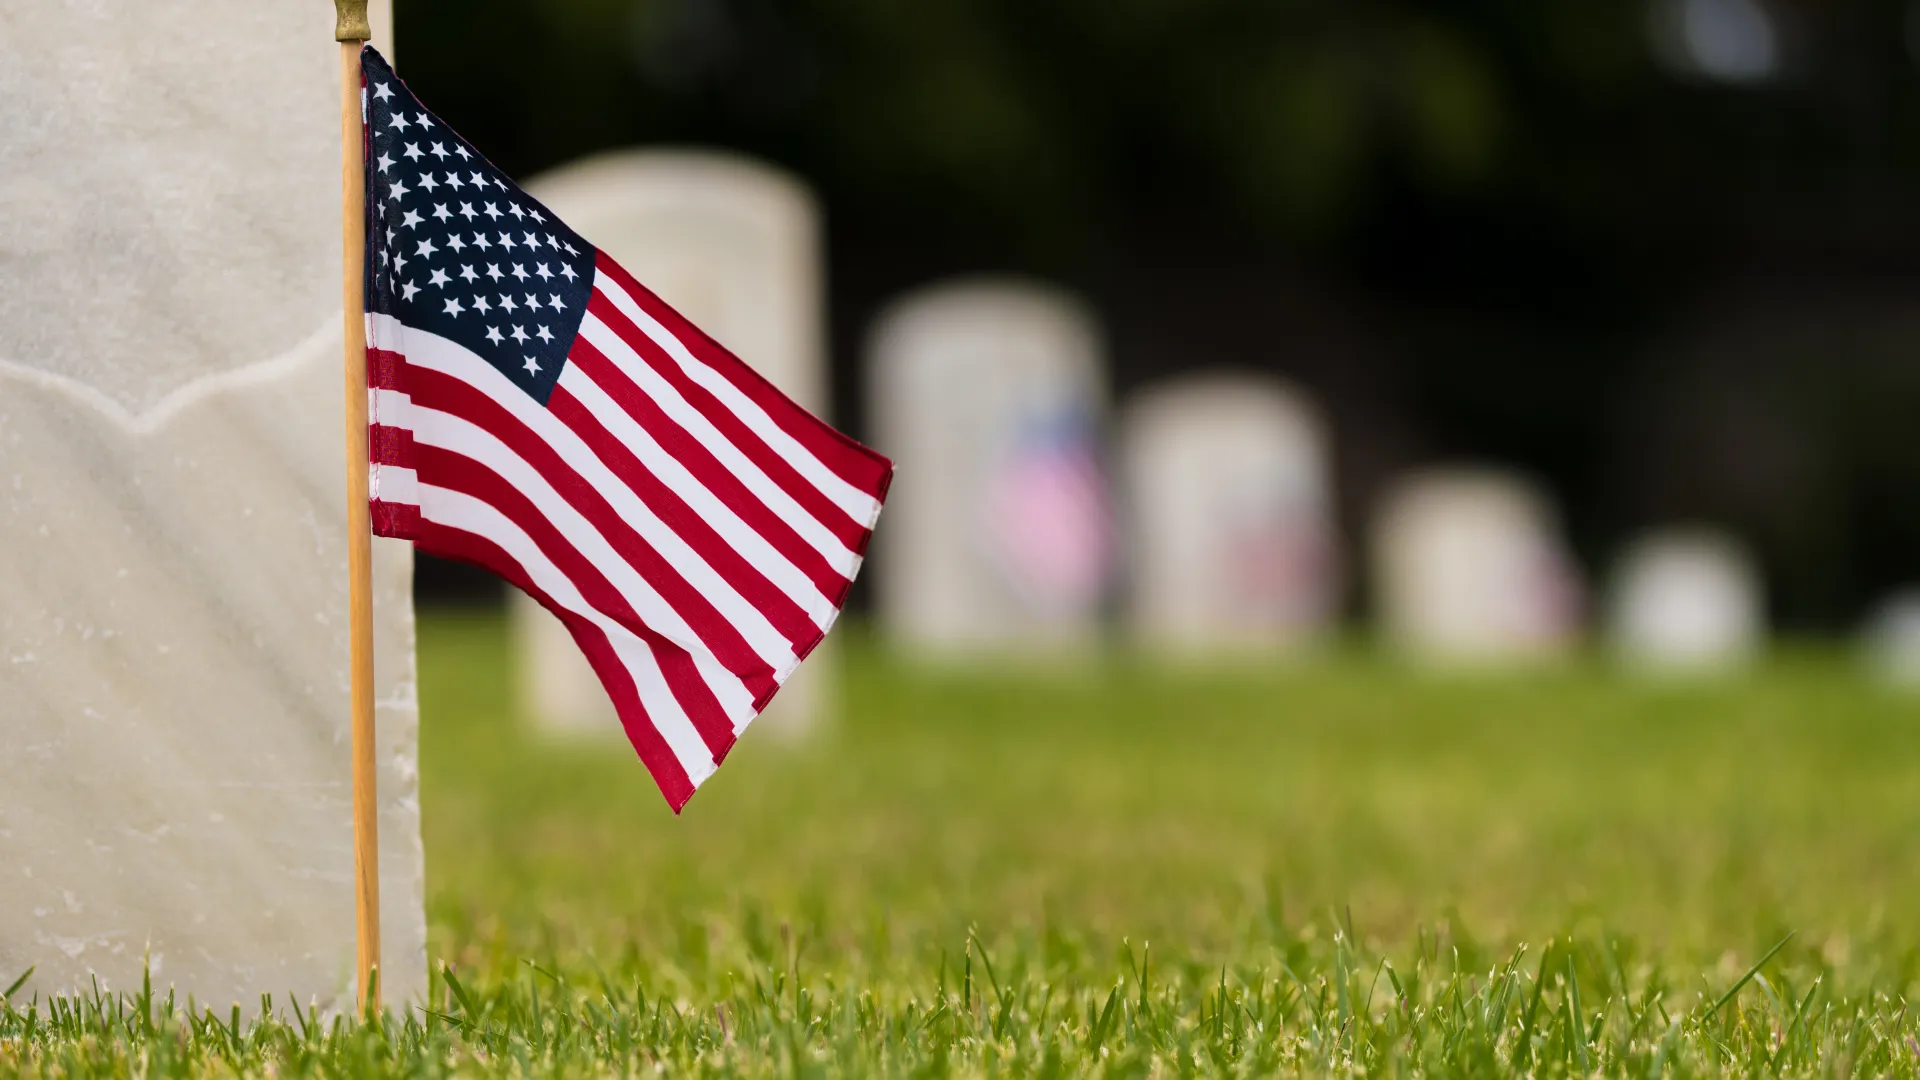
811	499
390	446
463	474
400	521
852	462
782	611
448	394
386	370
450	543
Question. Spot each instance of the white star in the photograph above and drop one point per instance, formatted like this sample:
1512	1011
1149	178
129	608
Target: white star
382	91
385	162
569	248
532	366
407	289
519	335
439	278
499	183
477	180
398	190
441	212
456	243
453	181
453	307
492	212
466	211
533	302
462	151
412	152
552	243
480	305
439	150
421	119
411	219
544	335
493	271
519	272
566	271
427	182
514	209
480	241
555	304
426	249
506	240
494	335
400	263
545	274
391	236
399	122
538	218
467	275
507	304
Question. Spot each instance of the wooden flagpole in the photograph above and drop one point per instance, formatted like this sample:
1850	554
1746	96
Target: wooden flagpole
351	31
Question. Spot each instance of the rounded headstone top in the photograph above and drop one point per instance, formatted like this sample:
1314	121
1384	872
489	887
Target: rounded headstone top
1029	330
1469	564
636	181
1686	598
1235	399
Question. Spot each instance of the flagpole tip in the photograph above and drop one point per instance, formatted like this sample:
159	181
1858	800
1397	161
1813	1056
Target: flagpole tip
350	23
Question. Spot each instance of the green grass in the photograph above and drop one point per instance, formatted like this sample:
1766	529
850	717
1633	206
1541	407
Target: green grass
1132	871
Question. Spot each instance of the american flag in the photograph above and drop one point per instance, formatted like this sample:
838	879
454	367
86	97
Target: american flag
537	412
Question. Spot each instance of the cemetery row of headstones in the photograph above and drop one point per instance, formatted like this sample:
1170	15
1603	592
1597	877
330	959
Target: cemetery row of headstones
1207	522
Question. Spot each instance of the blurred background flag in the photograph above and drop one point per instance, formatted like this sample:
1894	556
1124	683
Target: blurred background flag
538	412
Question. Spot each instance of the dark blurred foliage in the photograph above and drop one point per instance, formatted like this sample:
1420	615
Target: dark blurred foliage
1480	229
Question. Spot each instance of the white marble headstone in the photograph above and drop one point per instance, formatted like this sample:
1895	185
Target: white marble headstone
1686	600
1892	640
1230	531
734	244
174	767
990	396
1470	567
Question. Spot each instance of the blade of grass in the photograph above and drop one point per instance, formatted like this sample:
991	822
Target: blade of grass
1744	979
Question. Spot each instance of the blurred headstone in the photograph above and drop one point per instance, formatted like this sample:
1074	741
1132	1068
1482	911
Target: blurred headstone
1470	567
1230	537
734	245
999	539
1893	640
1685	600
174	767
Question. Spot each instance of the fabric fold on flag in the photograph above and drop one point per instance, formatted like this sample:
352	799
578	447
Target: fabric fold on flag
538	412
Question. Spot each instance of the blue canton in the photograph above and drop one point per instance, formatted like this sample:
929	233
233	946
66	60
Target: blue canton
455	248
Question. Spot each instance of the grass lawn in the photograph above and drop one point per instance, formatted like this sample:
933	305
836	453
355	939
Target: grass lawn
1135	871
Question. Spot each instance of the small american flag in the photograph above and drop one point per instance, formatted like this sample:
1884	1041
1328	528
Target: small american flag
536	411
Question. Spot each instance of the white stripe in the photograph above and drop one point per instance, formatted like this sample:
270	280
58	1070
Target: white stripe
857	504
680	411
438	354
734	532
457	510
389	408
463	437
393	484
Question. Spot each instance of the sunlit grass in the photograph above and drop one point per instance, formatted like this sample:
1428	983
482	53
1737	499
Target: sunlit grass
1340	867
